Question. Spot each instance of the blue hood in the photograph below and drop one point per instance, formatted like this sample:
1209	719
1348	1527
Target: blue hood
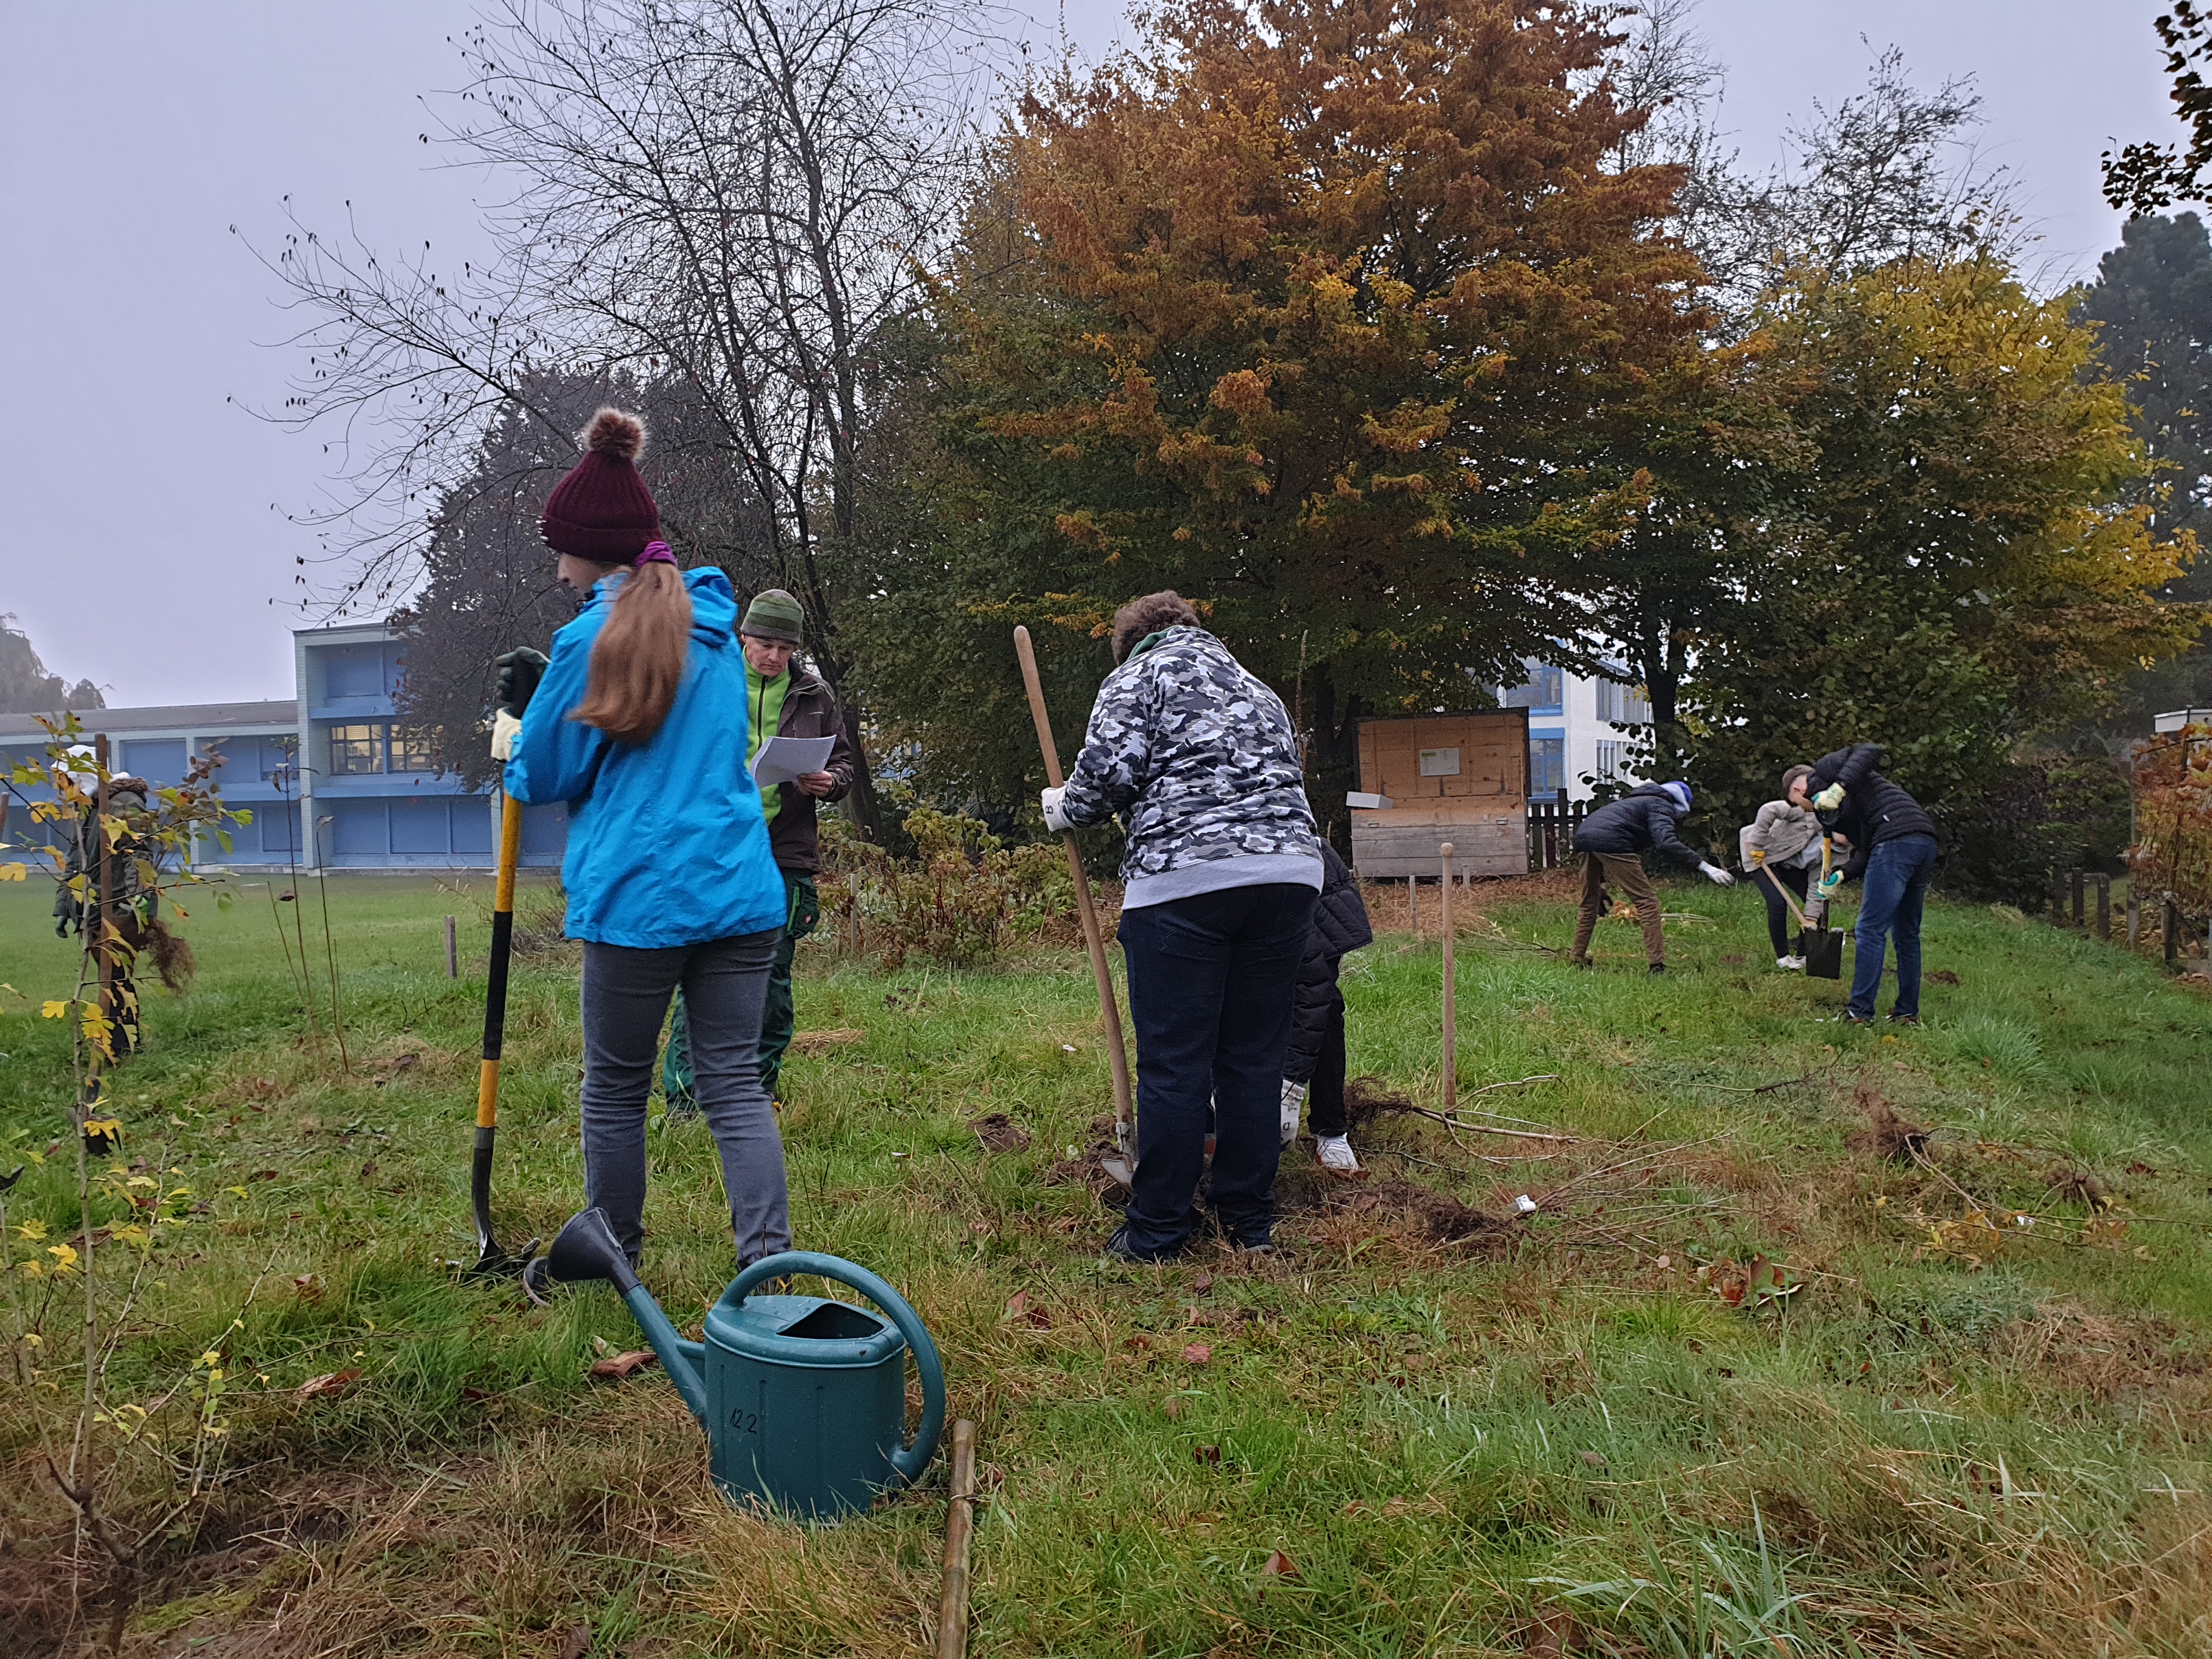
666	843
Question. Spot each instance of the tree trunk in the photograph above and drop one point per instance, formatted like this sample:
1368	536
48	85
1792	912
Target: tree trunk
1332	758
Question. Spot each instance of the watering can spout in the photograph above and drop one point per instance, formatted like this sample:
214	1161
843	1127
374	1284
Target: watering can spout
587	1249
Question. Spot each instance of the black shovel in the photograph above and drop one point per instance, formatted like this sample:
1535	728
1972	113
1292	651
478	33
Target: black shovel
1822	945
492	1262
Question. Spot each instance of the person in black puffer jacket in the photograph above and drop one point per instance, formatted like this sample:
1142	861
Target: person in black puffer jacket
1894	847
1613	841
1315	1060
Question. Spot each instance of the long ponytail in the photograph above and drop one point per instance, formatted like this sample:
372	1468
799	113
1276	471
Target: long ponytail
638	660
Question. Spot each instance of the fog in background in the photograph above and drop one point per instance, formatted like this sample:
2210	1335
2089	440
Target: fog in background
144	542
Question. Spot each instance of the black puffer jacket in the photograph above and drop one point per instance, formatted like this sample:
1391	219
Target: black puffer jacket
1875	810
1339	927
1641	821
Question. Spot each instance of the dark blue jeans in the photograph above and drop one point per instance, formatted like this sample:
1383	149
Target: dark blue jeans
1209	979
1896	887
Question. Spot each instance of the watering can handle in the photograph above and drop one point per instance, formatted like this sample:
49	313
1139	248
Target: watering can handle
912	1459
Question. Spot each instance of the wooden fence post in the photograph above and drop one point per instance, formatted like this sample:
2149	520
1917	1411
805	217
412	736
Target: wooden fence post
1451	1000
2172	931
2134	916
2104	907
1414	905
453	951
2074	898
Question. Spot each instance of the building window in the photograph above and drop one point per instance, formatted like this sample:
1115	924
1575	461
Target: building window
1608	758
1541	690
1622	705
1547	766
356	748
410	750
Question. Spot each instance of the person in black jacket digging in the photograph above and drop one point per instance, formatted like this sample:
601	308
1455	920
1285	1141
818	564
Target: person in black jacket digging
1315	1062
1613	841
1894	847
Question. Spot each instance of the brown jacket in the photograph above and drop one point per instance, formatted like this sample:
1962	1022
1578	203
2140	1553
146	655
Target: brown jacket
809	711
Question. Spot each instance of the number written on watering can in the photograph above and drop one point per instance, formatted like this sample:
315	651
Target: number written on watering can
745	1422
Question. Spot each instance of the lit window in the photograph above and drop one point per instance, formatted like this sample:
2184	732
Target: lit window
1547	765
410	750
356	748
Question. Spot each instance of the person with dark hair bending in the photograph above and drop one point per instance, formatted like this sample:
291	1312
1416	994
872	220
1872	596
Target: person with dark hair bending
638	723
1894	847
1220	877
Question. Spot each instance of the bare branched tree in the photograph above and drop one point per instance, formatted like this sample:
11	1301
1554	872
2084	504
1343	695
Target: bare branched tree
732	195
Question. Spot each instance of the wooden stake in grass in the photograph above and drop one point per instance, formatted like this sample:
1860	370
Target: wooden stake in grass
1452	1000
453	952
959	1536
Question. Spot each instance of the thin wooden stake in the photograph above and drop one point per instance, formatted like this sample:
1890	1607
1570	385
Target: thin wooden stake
2104	907
1451	1000
1414	905
453	951
2134	916
959	1536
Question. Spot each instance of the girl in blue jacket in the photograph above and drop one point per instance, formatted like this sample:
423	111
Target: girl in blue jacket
638	722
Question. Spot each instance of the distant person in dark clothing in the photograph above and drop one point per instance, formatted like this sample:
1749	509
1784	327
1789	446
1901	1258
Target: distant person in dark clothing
1894	847
1315	1061
1613	841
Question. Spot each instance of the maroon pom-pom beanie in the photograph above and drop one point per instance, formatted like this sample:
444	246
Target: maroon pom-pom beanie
602	510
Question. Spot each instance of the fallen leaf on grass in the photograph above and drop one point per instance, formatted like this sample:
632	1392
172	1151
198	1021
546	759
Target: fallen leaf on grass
1552	1636
263	1174
576	1643
1172	1410
1197	1354
309	1287
329	1383
1206	1454
1595	1460
475	1394
625	1365
1278	1566
1139	1340
1202	1284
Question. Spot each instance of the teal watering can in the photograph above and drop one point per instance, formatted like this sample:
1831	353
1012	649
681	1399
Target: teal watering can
803	1399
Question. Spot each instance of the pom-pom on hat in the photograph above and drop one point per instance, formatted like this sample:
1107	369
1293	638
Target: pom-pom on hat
1680	792
602	510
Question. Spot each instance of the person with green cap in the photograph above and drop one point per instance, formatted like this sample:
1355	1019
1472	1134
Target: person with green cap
783	698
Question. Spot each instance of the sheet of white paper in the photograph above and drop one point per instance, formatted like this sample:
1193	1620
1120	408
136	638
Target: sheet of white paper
782	759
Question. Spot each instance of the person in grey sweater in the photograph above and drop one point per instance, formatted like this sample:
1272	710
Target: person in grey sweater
1781	848
1222	866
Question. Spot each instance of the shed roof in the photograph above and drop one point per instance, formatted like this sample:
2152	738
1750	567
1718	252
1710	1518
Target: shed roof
175	717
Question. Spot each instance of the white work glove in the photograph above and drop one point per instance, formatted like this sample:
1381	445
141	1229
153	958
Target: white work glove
1830	799
1829	883
1055	819
1715	874
504	725
1294	1101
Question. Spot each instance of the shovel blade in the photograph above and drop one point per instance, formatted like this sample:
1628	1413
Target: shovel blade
1120	1170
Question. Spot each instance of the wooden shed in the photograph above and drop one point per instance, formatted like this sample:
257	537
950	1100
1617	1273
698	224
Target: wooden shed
1437	778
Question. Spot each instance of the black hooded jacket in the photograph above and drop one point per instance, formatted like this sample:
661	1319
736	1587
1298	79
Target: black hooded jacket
1875	810
1340	926
1641	821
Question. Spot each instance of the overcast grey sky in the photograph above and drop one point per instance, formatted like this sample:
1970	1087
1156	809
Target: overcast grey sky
144	542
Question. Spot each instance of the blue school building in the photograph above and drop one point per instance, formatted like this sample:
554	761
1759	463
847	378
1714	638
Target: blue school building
334	779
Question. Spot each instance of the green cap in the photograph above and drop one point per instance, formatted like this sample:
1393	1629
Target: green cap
775	614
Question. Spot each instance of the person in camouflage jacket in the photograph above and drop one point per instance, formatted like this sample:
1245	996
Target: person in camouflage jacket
1220	877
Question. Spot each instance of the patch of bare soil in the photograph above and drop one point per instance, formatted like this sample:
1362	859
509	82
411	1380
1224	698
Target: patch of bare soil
999	1133
2113	1357
1088	1167
1888	1135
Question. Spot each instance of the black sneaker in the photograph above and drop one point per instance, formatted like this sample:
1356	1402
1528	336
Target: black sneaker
1118	1249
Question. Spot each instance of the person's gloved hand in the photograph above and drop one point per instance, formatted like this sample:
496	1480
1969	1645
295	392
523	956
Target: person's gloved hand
519	670
1759	855
1055	819
1830	799
1829	883
504	728
1715	874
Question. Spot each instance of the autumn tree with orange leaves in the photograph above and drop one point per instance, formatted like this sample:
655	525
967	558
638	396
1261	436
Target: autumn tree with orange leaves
1341	319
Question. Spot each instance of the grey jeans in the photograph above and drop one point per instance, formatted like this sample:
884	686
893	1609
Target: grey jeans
626	994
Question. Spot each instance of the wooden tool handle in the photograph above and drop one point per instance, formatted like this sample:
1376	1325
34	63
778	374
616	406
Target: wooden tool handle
1110	1009
959	1536
1451	985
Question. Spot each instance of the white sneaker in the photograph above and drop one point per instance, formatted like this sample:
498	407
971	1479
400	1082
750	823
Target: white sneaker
1294	1102
1790	964
1335	1152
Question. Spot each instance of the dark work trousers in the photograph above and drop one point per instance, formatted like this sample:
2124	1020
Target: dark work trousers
1779	922
1325	1091
626	994
1210	981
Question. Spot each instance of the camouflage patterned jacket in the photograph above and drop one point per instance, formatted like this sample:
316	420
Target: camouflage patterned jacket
1201	758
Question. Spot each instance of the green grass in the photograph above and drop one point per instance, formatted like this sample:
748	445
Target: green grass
1954	1438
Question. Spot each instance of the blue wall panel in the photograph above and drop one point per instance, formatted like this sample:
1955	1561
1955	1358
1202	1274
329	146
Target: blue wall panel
472	827
358	829
421	826
157	760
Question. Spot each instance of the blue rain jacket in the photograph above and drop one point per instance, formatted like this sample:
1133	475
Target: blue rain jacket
666	843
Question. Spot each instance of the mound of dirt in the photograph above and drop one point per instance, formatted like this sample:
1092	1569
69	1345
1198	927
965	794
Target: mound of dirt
999	1133
1438	1216
1888	1136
